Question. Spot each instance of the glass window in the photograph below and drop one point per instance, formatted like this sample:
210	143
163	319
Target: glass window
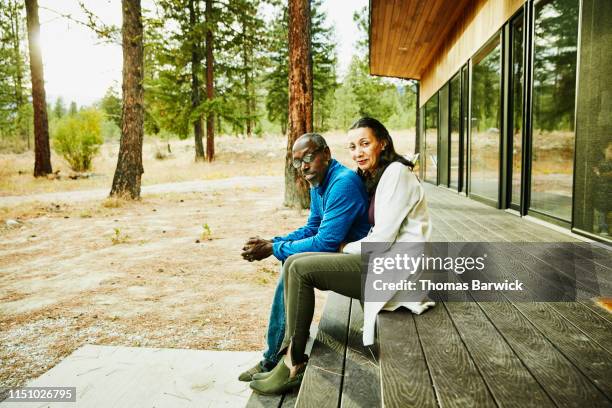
485	125
431	140
443	132
455	112
517	109
554	86
593	193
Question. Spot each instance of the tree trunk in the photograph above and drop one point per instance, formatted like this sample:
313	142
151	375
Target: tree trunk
300	97
246	46
17	51
210	90
19	98
42	151
196	65
126	182
284	127
247	100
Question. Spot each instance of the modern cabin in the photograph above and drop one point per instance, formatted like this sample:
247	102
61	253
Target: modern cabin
515	103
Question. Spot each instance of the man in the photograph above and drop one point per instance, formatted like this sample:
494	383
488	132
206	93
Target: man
338	214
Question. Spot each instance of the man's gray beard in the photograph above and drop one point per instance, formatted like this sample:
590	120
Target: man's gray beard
313	184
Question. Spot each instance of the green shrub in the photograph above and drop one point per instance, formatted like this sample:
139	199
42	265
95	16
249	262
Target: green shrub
110	131
78	138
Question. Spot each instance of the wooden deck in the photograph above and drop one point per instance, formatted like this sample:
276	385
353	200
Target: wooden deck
465	354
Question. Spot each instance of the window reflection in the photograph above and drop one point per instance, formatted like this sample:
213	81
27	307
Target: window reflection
554	84
431	139
485	134
454	130
517	108
443	135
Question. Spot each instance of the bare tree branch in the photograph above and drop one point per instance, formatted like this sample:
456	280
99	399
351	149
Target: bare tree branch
105	32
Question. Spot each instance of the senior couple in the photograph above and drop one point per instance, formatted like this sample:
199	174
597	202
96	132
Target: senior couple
382	202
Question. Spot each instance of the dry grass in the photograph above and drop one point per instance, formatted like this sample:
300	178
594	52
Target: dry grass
235	157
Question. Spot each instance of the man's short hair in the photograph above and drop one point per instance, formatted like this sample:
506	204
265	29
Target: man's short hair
316	138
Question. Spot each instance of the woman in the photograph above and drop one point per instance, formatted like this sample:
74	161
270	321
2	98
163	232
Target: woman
398	213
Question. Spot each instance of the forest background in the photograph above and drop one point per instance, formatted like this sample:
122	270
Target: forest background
250	55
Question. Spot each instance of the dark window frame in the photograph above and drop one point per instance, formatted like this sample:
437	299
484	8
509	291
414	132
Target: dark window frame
508	114
456	76
424	139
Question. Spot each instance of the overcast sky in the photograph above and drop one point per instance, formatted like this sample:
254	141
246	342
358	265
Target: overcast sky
78	67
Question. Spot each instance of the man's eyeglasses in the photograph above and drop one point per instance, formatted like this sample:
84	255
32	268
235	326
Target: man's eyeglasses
308	158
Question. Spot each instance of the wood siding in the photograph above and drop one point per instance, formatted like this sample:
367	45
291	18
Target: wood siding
472	30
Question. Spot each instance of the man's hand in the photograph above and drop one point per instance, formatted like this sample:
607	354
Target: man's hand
257	239
256	249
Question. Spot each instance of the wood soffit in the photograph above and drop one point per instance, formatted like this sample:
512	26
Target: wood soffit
406	35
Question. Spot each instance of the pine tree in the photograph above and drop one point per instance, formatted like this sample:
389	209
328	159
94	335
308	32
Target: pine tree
126	182
111	105
361	94
252	33
277	99
205	58
73	109
15	111
175	43
324	60
195	43
300	97
59	109
42	151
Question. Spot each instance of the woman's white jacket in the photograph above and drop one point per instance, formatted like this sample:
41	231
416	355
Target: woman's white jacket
401	215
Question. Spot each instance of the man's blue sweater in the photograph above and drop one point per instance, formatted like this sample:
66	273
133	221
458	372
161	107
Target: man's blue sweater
338	213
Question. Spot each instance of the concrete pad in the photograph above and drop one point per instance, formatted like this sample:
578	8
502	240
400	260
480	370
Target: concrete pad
110	376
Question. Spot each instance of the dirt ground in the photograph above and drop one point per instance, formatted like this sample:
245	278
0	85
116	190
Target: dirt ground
165	271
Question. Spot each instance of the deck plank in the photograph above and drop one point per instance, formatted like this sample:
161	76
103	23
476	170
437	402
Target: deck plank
501	369
563	382
455	377
591	359
405	376
264	401
592	324
290	398
597	309
324	373
361	386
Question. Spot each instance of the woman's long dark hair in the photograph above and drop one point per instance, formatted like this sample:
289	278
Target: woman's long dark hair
387	156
